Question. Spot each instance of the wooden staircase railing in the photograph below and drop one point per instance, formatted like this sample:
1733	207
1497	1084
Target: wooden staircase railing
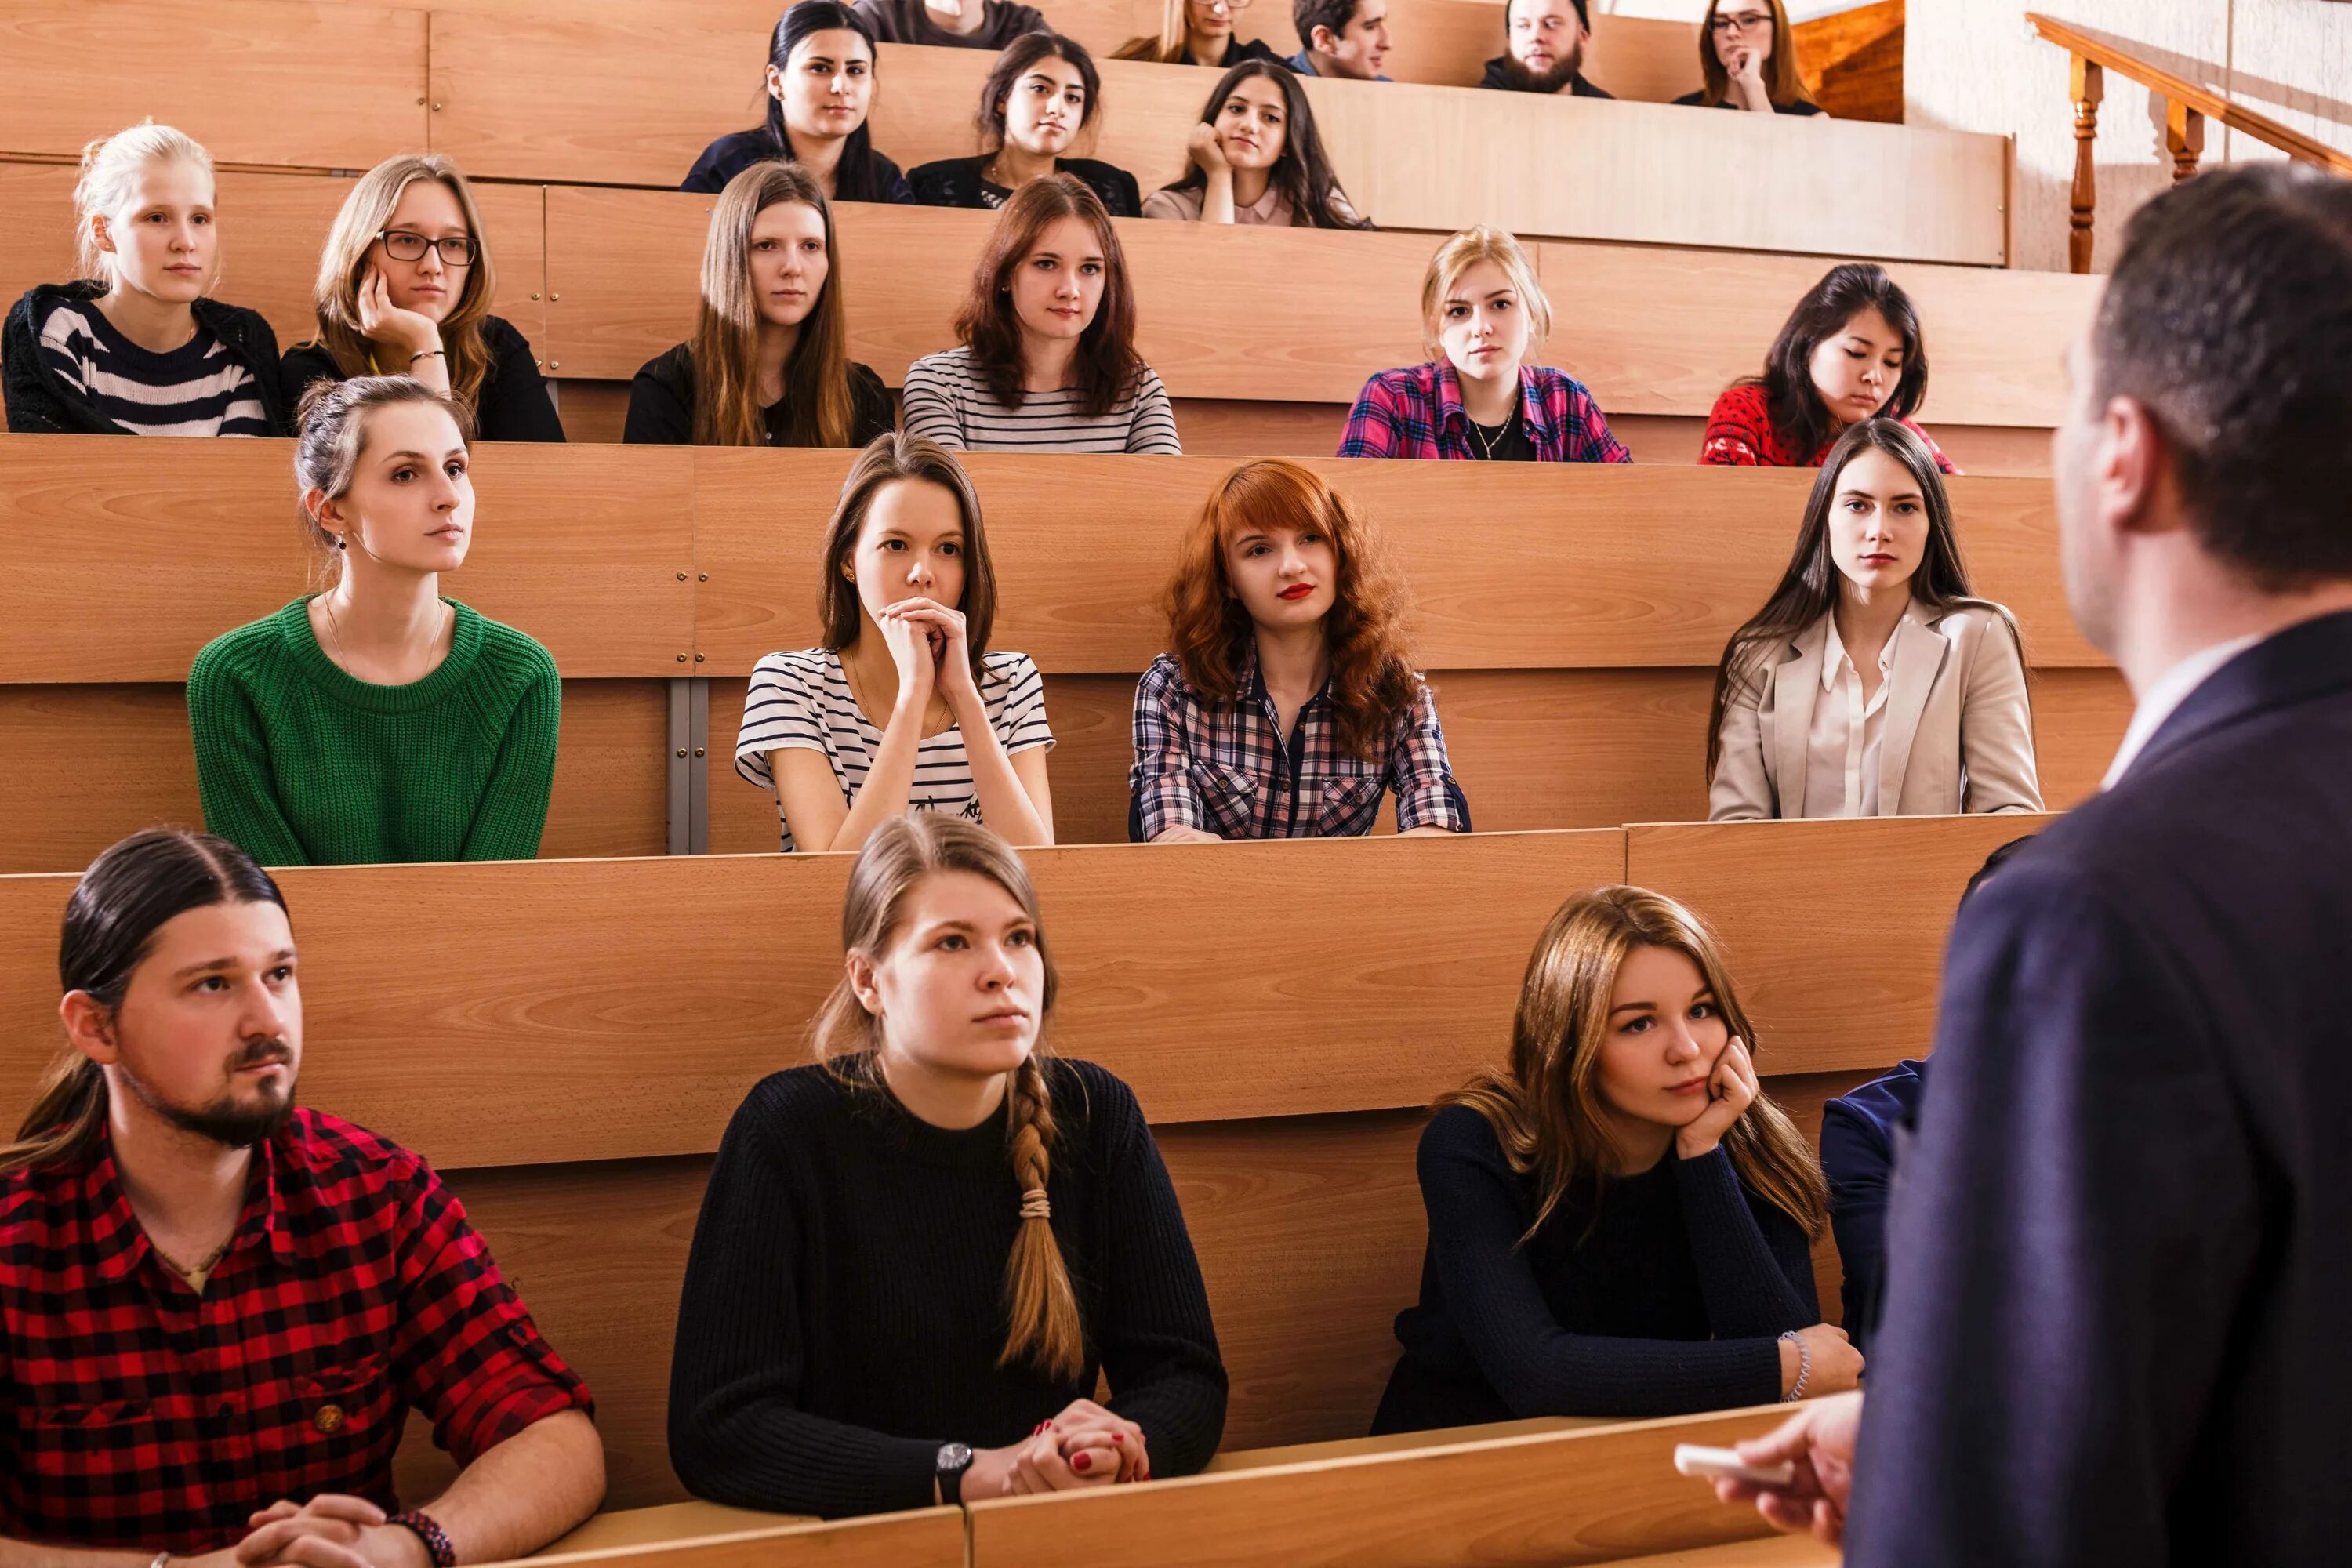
2187	107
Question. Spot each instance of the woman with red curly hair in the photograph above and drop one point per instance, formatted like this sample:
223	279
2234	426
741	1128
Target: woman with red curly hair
1288	706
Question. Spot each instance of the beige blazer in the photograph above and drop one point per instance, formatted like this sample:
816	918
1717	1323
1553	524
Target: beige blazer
1958	737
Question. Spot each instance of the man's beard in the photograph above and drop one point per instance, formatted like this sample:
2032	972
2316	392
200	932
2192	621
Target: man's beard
231	1124
1559	73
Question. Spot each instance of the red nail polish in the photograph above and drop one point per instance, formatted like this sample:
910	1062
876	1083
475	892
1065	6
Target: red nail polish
1081	1464
1119	1436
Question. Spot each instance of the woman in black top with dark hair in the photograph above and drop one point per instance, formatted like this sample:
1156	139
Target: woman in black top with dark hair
1042	93
820	88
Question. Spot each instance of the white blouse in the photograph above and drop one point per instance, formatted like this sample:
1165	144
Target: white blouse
1848	732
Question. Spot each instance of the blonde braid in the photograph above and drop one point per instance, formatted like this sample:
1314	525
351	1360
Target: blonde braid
1041	1310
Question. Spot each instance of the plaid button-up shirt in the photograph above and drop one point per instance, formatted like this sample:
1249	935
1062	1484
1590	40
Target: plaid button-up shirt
1416	411
136	1414
1225	766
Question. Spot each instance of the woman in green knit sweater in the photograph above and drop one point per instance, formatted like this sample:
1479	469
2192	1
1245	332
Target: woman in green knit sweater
378	721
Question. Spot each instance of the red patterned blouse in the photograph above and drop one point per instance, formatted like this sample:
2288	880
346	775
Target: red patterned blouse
1740	433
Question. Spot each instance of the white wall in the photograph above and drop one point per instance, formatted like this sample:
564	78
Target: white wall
1975	65
1692	10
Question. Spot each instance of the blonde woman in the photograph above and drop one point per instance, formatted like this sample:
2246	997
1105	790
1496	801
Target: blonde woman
1620	1221
1477	399
769	362
1197	33
1748	58
134	347
916	1258
378	721
405	289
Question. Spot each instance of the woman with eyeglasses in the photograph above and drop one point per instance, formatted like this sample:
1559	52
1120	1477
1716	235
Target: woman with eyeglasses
1197	33
1748	56
405	289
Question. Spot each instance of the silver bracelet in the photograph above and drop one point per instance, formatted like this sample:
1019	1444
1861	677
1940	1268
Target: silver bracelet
1804	1367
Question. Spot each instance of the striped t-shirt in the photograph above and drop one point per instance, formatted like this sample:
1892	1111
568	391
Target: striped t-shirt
196	389
802	701
944	401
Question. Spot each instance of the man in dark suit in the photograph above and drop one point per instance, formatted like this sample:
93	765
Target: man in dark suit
2120	1251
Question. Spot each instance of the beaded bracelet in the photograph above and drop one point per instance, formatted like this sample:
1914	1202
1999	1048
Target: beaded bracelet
1804	1367
436	1538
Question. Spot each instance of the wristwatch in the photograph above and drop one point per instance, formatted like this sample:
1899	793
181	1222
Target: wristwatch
954	1459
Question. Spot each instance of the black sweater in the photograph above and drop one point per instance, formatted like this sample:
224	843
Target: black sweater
661	403
38	399
844	1304
959	183
512	405
1672	1305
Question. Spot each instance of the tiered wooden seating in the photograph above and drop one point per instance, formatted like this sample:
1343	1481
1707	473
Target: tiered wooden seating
570	1050
1570	618
601	280
632	102
703	1535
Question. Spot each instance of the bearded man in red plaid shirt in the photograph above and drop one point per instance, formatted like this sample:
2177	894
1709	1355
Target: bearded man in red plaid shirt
216	1310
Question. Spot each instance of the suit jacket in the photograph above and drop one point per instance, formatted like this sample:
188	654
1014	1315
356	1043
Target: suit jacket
1959	735
2120	1250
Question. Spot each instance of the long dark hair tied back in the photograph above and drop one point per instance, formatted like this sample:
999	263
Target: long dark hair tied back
127	894
855	178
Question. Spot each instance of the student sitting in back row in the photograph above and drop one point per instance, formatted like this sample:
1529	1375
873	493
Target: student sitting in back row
135	348
1048	360
378	721
1197	33
1873	683
1344	38
820	90
904	707
917	1259
1288	706
1543	48
948	24
404	287
1619	1218
221	1307
1041	93
1850	350
1478	398
769	362
1257	159
1748	58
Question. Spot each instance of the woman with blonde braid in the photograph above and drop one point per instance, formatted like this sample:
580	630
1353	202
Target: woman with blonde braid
916	1258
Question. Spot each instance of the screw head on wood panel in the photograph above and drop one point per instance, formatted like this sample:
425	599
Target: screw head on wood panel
555	365
702	576
681	751
681	659
420	103
552	299
534	293
698	658
681	576
697	751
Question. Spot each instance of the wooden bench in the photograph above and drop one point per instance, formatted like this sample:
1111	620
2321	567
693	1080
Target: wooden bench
603	280
633	102
1570	618
638	1000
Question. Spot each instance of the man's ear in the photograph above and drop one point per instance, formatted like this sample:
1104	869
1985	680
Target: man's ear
1319	37
2133	463
89	1025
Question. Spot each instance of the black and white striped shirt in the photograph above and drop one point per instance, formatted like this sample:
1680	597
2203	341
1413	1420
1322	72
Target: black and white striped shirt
802	701
945	402
196	389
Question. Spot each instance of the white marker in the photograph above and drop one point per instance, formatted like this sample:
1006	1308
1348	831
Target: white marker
1695	1459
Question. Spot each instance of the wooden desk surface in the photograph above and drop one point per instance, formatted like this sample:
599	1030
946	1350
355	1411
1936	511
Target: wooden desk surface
1395	1442
668	1523
1772	1551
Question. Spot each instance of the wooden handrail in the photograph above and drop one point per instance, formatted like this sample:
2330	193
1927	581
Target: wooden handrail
2188	105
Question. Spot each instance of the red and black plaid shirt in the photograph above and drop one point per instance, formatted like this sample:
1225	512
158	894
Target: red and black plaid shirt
136	1414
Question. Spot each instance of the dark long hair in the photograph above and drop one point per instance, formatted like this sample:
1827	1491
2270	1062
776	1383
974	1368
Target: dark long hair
892	455
1799	417
725	347
855	178
1303	174
127	895
1013	62
1106	364
1808	589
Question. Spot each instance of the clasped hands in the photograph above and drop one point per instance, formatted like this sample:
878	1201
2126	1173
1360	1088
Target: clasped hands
331	1531
1084	1445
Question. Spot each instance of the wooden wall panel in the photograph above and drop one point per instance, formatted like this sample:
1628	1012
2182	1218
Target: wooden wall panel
588	551
1564	593
90	765
1596	1495
1835	928
578	974
256	81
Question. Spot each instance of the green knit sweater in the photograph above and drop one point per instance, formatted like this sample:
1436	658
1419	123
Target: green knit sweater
300	765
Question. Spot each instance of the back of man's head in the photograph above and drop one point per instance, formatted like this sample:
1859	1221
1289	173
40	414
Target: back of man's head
1305	15
2229	316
